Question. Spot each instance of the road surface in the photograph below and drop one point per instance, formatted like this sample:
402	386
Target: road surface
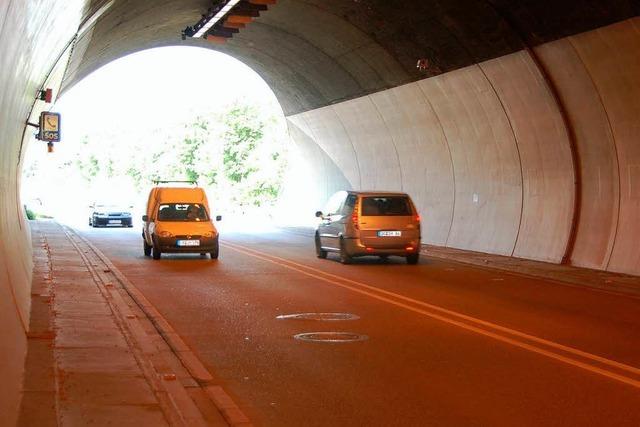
440	343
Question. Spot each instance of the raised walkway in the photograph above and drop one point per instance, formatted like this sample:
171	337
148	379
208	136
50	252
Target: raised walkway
99	354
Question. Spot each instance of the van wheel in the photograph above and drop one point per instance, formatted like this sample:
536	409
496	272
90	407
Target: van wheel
413	259
320	253
155	251
345	258
215	252
147	248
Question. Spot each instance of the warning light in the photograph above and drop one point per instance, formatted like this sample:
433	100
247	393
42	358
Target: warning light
46	95
49	147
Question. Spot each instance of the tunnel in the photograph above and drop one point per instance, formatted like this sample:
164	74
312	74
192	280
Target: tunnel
514	125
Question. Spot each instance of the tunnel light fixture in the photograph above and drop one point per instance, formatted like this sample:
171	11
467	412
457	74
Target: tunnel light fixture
215	18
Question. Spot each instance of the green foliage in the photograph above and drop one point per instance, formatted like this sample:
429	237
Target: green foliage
30	214
243	132
255	168
237	155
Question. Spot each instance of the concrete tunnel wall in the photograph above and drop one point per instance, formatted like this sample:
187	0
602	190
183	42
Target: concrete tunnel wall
31	39
486	153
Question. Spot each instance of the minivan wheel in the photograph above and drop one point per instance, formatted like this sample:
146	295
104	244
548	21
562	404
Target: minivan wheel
345	258
147	248
413	258
155	252
320	253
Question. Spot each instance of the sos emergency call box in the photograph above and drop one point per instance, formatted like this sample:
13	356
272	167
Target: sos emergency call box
49	127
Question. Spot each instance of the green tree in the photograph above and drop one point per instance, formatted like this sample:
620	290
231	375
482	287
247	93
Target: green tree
244	132
236	153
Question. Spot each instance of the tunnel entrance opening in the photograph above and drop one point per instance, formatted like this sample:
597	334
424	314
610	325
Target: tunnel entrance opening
172	113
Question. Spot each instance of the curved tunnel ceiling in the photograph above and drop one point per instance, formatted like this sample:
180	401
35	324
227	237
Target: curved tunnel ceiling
497	166
318	52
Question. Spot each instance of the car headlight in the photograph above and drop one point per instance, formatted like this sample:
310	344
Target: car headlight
165	234
209	234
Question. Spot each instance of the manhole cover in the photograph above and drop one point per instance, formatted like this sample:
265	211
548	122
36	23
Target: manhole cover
331	337
319	316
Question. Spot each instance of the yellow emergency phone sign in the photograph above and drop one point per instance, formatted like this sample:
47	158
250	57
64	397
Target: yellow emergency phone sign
49	127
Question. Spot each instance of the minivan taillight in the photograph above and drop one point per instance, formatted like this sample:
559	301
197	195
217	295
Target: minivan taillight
355	217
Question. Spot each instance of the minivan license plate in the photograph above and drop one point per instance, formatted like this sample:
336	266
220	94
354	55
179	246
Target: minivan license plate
389	233
188	242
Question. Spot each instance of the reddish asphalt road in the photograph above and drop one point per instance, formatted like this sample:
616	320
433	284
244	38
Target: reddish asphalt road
447	344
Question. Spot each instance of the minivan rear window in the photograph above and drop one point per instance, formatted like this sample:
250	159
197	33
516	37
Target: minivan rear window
386	206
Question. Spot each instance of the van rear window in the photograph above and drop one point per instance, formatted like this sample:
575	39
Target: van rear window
386	206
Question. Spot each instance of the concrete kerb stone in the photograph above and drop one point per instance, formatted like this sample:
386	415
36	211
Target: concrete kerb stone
184	353
144	367
554	273
227	406
231	412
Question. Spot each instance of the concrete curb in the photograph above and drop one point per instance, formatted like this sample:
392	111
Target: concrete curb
178	408
225	404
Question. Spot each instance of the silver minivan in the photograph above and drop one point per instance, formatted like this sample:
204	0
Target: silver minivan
356	223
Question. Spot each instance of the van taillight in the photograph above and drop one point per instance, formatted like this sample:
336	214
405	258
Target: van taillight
355	217
417	218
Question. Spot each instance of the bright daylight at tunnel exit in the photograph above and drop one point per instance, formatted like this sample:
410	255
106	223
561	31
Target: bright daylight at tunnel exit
180	114
319	213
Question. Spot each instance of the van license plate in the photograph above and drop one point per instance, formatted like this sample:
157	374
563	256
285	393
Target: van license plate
188	242
389	233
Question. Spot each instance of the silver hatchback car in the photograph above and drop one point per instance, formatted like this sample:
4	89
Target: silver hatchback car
358	223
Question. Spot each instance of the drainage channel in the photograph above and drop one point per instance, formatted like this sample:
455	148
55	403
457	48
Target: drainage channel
187	390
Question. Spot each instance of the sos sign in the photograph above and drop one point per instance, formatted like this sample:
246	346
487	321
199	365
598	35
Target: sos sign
49	127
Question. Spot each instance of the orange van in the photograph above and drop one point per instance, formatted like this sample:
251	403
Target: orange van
178	219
